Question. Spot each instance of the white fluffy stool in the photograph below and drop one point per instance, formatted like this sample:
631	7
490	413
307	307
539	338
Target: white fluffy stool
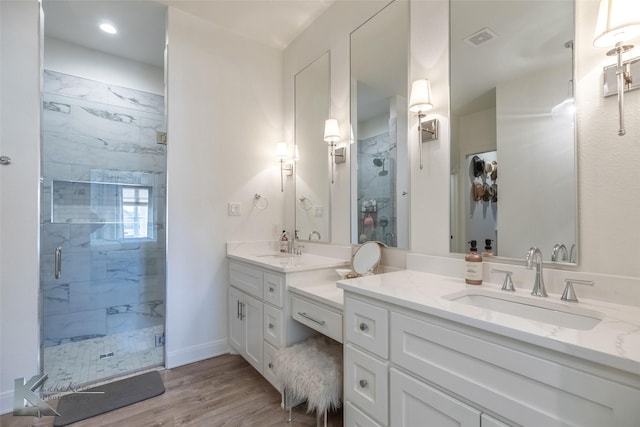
311	370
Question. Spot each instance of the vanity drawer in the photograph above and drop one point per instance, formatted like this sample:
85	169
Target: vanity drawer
274	289
268	368
273	326
367	383
313	315
367	326
246	278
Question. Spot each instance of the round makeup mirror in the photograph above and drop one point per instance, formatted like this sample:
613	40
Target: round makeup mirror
366	258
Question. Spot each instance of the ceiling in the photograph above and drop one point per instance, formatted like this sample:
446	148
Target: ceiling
141	24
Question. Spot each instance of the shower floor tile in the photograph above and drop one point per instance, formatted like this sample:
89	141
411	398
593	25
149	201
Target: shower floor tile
83	362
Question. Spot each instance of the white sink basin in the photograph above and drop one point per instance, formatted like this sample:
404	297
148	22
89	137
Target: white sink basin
531	308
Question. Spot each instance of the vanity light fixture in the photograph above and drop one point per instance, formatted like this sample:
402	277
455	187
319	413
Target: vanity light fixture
331	136
419	102
618	22
285	168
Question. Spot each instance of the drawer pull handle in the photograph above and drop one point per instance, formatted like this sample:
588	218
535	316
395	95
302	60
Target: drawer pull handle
306	316
363	383
363	326
270	325
270	365
271	289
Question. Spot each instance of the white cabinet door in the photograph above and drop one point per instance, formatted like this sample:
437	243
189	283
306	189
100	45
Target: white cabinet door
245	327
414	403
252	314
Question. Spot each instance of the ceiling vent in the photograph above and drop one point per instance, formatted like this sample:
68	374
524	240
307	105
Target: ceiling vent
480	37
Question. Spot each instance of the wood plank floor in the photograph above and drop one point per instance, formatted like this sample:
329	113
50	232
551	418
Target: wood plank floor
222	391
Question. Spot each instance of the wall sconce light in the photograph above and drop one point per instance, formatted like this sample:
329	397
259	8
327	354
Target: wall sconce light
419	102
331	136
618	22
285	168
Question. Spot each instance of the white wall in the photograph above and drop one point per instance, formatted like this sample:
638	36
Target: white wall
225	117
608	184
19	215
69	58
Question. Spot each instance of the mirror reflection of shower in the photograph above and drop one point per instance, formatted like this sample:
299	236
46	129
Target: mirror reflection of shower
376	182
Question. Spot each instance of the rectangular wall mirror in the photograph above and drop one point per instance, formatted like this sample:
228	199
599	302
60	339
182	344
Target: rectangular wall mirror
379	154
513	149
313	195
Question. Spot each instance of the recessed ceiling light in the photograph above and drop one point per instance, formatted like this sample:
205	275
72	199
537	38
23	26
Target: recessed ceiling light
108	28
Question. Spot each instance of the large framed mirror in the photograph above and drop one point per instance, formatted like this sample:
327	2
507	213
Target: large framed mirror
379	153
513	149
313	194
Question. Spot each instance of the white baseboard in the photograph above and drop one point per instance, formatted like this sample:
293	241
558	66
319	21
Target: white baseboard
196	353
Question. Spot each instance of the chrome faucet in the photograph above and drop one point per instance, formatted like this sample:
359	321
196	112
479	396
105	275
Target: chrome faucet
559	249
535	255
316	233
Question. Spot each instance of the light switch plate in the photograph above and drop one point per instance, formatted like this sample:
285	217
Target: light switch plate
233	209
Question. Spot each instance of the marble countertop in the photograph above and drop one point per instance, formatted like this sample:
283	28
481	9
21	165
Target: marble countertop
614	341
287	263
325	292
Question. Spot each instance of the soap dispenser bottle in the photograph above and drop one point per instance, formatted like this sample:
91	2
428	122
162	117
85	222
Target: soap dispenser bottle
473	265
488	251
284	242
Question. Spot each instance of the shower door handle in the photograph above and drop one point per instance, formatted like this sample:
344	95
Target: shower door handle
57	263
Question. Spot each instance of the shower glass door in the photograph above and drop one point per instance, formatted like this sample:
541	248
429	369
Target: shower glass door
102	237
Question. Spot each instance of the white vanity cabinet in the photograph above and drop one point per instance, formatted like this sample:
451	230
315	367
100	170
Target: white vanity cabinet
259	318
409	368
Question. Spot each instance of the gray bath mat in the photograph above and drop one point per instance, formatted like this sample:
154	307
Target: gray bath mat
75	407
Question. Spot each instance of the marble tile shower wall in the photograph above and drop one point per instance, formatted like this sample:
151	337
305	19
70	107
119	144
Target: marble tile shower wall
95	132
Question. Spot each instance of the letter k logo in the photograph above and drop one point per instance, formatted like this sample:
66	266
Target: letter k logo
23	393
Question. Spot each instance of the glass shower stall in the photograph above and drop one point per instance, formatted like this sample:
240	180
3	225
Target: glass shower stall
102	236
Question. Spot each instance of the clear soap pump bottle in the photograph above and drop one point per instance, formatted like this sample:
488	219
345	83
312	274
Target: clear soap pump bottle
284	242
473	265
